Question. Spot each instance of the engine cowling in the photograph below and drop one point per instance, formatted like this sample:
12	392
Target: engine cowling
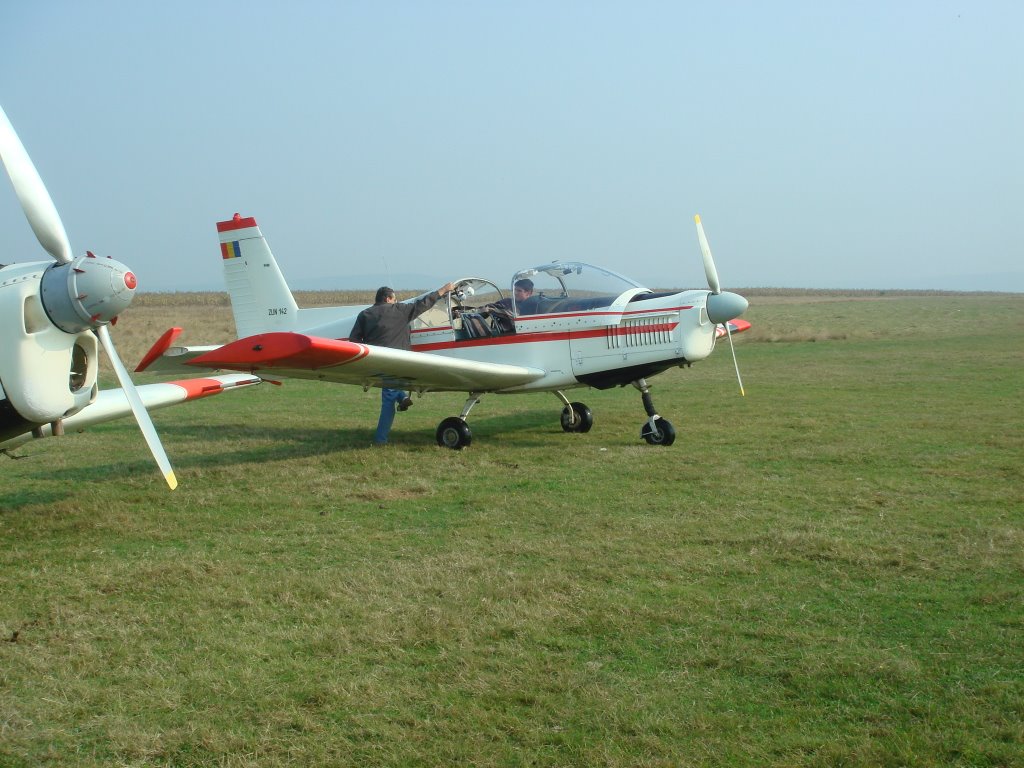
46	373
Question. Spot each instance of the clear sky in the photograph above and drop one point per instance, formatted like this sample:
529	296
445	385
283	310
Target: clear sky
825	144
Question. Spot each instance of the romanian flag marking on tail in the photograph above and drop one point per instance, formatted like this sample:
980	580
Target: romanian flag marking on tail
230	250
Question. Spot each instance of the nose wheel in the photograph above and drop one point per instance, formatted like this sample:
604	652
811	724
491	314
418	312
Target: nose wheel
656	430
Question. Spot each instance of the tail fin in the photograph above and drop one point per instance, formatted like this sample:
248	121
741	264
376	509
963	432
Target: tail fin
260	298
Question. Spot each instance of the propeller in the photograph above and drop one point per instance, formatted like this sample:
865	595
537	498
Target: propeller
35	200
722	306
138	409
78	294
709	262
735	363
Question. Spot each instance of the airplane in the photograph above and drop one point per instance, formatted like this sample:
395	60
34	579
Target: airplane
54	316
584	326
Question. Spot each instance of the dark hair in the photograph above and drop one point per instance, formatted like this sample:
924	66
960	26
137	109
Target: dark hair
526	284
383	294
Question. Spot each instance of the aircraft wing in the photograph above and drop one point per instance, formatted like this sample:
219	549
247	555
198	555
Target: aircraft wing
295	355
112	404
735	326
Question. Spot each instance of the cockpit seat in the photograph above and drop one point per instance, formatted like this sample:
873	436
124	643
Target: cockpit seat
501	320
475	326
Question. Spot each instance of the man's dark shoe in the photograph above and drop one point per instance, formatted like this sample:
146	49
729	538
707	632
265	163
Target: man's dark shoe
406	404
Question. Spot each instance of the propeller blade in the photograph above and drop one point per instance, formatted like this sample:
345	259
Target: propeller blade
709	262
721	307
35	200
735	363
138	409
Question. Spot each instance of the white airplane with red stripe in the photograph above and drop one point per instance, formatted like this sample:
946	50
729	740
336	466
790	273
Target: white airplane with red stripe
584	326
54	316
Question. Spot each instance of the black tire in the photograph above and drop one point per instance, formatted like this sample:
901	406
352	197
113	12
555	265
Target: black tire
662	434
583	421
454	433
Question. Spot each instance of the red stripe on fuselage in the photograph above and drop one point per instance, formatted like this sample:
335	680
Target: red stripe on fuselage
538	318
540	336
598	315
518	338
637	329
659	311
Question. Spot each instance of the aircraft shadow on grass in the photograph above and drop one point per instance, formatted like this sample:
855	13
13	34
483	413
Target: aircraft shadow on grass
15	500
282	442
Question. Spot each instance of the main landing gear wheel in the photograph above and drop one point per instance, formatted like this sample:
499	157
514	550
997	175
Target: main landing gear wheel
576	417
454	433
662	433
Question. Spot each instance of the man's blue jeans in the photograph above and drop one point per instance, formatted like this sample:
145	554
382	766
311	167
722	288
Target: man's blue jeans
389	399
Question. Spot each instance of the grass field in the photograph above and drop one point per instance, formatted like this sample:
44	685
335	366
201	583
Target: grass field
829	571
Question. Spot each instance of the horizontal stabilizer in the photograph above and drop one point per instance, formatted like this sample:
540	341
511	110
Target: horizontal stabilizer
165	357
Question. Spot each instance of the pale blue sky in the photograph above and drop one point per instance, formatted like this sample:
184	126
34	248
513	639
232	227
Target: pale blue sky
825	144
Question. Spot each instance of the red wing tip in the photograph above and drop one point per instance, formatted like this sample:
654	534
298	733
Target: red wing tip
197	388
735	326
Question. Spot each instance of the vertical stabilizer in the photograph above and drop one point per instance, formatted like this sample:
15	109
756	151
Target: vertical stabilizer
260	298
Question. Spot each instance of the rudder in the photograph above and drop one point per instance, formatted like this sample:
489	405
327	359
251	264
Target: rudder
260	298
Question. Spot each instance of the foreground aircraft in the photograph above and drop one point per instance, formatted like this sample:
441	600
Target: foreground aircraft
53	318
583	326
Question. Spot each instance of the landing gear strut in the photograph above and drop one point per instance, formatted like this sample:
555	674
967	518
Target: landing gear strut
576	417
454	432
656	430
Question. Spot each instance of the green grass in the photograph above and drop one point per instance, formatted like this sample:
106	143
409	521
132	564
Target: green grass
828	571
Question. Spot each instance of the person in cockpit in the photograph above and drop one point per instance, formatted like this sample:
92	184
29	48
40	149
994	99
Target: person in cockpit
522	293
521	302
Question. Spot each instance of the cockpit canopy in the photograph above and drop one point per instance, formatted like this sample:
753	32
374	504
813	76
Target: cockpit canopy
561	287
566	286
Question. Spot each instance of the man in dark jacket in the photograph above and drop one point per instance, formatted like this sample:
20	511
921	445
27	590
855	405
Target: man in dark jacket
386	324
